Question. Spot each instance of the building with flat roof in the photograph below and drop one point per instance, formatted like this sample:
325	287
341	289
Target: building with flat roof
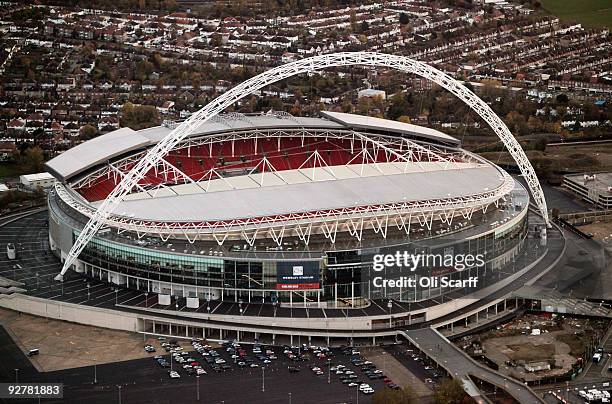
33	181
594	188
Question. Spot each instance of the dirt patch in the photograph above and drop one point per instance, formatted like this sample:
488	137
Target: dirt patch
531	352
65	345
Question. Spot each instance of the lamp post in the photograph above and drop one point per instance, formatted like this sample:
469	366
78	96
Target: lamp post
263	378
16	375
198	387
88	294
328	371
119	387
146	300
390	306
289	398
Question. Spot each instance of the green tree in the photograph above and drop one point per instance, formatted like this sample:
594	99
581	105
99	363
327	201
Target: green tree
403	19
401	396
139	116
32	159
88	132
449	391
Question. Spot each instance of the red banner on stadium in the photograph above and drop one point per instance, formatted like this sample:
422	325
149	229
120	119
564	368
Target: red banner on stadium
296	286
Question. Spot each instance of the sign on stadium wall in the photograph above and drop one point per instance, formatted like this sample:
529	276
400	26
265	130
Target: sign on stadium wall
293	276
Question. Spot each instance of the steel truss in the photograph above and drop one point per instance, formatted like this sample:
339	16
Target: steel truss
395	148
353	220
307	65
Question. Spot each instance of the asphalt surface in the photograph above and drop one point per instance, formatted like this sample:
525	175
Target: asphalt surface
143	381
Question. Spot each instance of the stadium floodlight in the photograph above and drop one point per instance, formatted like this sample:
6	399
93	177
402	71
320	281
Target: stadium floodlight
308	65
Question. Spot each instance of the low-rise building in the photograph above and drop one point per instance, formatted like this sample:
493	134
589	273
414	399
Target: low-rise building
33	181
594	188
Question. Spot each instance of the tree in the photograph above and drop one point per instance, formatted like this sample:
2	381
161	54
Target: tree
388	396
403	19
88	132
562	99
32	159
404	119
449	392
139	116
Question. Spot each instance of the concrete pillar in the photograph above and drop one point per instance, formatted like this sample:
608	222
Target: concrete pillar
496	309
373	340
476	317
336	294
291	340
220	333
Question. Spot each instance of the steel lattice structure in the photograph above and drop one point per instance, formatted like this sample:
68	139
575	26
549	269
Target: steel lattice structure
308	65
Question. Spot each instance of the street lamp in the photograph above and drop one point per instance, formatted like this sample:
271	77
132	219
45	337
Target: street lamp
146	300
16	375
119	387
289	398
263	378
390	306
198	387
329	371
88	286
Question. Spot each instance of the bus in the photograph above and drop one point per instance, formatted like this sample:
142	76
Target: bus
11	252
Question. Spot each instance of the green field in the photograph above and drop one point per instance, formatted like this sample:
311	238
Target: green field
590	13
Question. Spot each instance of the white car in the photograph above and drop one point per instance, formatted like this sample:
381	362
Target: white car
174	374
254	365
219	361
364	386
349	372
200	371
369	390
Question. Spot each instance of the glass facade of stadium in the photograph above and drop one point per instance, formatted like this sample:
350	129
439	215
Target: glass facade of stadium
341	274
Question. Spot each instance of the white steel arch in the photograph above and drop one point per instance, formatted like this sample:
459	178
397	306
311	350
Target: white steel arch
307	65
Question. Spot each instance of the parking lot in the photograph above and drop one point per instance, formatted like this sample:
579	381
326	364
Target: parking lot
282	380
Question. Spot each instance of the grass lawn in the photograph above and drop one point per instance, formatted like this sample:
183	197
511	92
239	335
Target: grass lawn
590	13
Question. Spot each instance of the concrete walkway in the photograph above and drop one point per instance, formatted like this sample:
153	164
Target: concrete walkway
396	371
461	366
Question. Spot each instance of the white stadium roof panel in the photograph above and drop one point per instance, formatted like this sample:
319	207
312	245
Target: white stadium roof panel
368	122
121	141
315	195
96	151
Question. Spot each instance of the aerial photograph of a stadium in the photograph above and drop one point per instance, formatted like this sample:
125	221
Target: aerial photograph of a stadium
305	201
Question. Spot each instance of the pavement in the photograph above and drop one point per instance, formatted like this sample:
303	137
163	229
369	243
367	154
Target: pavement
396	371
143	381
68	345
460	366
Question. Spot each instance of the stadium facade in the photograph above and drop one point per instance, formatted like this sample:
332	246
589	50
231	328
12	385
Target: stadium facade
289	211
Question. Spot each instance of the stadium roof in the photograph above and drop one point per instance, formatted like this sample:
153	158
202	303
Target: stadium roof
368	122
261	201
122	141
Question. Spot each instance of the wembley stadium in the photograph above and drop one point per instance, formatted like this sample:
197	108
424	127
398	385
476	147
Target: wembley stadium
231	211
